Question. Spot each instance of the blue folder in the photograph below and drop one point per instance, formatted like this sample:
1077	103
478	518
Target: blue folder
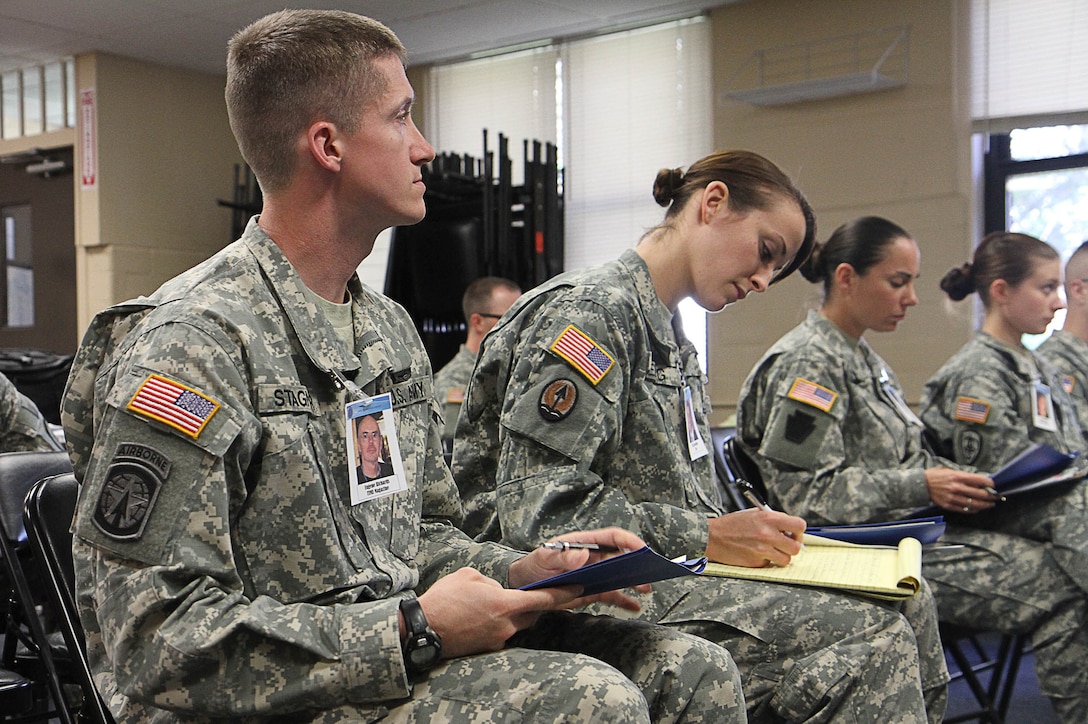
623	571
926	530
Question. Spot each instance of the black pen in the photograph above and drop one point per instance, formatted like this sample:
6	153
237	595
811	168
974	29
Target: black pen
565	545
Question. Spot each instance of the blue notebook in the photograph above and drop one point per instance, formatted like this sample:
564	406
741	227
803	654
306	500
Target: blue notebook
925	530
623	571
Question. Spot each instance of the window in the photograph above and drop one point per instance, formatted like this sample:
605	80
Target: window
1037	183
18	278
619	107
38	99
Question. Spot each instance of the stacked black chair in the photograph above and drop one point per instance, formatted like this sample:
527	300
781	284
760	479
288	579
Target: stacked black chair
48	513
29	652
967	647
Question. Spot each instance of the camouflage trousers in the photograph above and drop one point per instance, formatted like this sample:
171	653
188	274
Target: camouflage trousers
1015	585
810	655
556	672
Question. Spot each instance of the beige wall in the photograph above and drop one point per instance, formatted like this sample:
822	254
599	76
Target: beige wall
165	157
902	153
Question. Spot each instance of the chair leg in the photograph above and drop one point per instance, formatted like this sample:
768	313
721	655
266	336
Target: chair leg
988	712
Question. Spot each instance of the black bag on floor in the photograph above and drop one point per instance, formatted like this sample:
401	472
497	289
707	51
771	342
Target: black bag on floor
39	375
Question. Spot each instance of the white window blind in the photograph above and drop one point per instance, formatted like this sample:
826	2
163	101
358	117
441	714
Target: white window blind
638	101
1029	63
512	94
619	108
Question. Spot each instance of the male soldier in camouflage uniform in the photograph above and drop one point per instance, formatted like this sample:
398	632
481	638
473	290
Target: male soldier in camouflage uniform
22	427
225	567
1067	348
552	438
483	303
856	454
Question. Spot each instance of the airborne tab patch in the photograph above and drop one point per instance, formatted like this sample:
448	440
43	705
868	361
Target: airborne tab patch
968	409
174	404
813	394
583	353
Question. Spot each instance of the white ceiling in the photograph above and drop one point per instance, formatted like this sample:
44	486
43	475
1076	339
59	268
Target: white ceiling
193	33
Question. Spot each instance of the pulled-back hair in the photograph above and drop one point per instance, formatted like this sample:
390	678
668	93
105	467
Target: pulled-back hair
294	67
754	183
861	243
1000	255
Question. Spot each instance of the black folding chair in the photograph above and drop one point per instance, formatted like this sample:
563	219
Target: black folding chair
28	649
48	513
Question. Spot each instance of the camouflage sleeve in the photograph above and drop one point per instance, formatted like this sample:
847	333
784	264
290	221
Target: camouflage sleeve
799	431
174	585
443	547
22	427
560	428
975	417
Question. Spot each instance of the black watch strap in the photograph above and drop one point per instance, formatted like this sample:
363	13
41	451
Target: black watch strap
422	646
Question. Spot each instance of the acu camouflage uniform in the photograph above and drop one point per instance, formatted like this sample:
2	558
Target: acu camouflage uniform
541	448
222	572
1068	353
851	454
22	427
449	387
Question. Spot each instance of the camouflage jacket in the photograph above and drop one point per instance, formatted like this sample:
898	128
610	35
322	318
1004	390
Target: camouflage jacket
820	415
22	427
449	387
574	418
1069	355
221	570
978	406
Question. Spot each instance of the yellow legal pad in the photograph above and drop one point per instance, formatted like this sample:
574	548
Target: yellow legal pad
887	572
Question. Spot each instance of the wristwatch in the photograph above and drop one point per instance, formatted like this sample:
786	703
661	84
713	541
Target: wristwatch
423	647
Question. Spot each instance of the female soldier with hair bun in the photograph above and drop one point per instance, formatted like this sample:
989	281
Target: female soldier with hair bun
825	419
995	398
588	404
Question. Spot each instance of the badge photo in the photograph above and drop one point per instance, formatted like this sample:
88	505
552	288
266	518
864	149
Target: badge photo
375	469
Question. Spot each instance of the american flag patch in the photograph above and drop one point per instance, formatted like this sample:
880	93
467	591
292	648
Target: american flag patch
813	394
583	353
969	409
1068	383
173	404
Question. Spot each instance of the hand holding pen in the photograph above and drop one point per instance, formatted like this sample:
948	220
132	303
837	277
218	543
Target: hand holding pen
756	537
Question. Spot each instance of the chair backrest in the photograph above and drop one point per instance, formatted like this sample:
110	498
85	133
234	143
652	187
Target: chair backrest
743	467
727	477
48	513
18	472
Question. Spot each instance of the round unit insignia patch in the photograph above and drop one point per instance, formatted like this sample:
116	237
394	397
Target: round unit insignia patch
127	497
968	446
557	400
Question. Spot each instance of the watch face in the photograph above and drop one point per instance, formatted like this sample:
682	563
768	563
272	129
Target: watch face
423	653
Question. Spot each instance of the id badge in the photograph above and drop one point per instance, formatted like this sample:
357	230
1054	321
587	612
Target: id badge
375	469
696	445
1042	408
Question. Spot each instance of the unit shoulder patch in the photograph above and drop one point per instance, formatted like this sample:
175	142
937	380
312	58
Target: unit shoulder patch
557	400
132	485
583	354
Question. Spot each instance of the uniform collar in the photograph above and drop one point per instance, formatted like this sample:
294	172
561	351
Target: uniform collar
312	328
658	318
1022	360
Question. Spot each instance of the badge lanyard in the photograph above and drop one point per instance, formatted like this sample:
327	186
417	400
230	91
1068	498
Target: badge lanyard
696	445
892	394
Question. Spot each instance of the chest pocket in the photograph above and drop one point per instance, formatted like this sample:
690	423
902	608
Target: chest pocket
315	550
